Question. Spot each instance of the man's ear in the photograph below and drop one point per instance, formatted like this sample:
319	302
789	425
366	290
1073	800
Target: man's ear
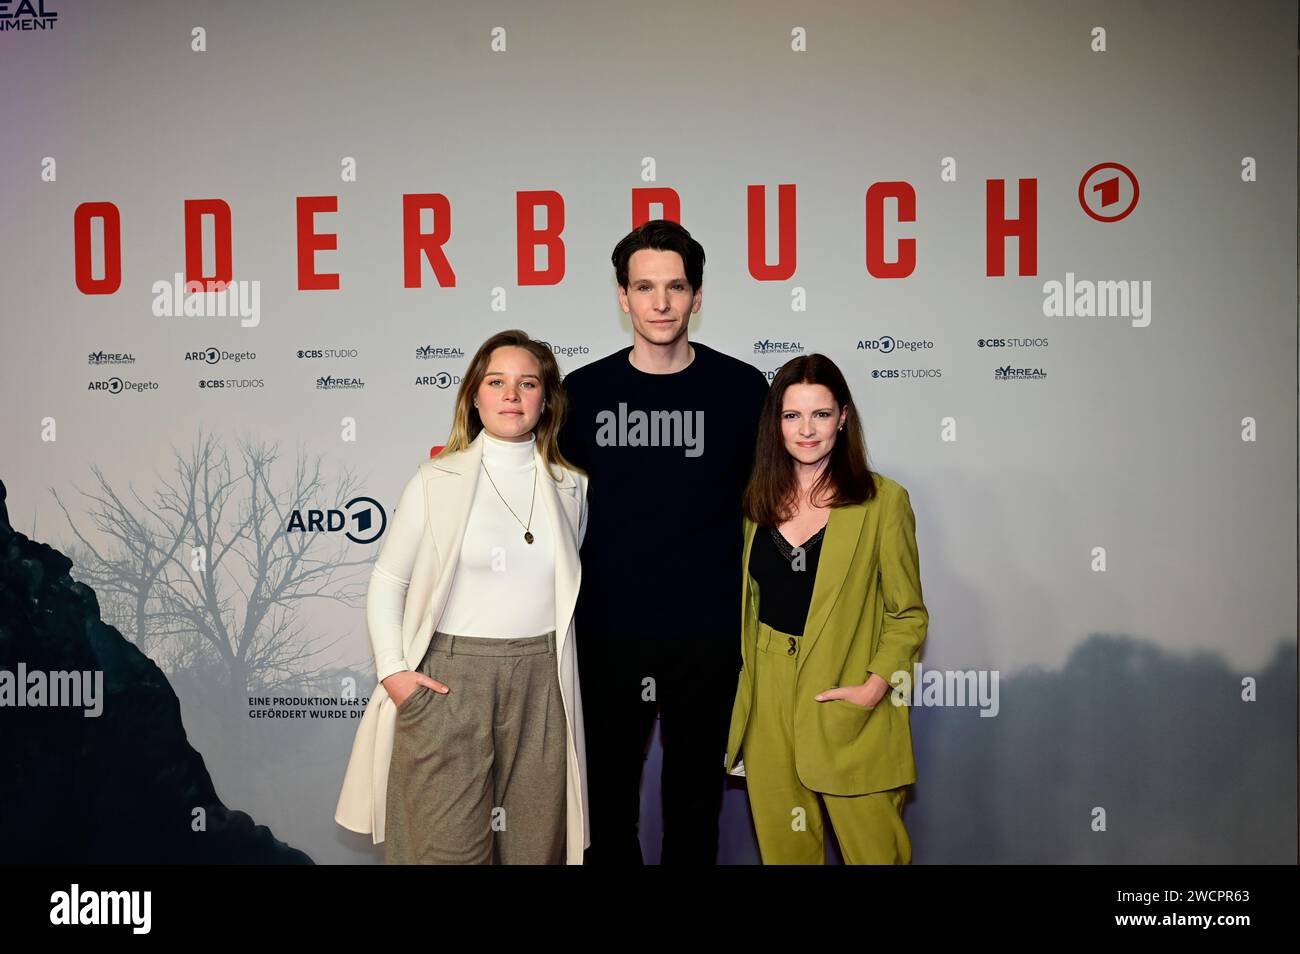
695	303
622	300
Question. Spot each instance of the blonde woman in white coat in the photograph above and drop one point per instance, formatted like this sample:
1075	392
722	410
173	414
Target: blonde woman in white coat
470	750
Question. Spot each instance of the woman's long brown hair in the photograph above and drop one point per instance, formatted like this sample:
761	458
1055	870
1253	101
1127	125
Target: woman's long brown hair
771	497
466	423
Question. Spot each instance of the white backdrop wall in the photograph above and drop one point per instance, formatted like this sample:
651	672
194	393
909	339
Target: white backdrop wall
1111	526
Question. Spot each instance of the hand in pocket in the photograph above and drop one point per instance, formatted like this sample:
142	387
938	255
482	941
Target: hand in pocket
400	685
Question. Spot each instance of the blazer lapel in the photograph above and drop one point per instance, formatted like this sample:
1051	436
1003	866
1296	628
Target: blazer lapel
843	531
748	597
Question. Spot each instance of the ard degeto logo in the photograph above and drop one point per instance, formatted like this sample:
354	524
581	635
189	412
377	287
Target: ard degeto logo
361	520
887	344
566	350
216	355
116	385
442	380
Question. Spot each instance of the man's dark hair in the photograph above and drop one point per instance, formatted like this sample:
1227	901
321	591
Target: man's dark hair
661	235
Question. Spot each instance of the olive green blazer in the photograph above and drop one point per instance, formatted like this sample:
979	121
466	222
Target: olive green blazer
866	616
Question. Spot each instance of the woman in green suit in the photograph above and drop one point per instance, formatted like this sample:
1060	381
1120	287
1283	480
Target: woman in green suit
831	609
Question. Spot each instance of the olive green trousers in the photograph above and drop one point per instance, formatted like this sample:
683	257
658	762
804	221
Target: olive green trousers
787	816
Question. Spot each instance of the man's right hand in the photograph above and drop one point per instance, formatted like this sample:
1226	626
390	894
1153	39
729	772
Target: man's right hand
401	684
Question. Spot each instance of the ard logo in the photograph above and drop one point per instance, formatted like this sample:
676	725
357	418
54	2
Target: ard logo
361	519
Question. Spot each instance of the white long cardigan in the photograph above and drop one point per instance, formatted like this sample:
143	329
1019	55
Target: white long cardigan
441	494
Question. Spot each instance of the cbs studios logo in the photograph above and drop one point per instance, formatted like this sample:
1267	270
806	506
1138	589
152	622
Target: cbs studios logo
328	382
1011	343
362	520
888	344
214	356
1009	372
326	352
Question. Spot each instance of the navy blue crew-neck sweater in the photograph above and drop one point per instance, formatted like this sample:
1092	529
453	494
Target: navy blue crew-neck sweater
668	457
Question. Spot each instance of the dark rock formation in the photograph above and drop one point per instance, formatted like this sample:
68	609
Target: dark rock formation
122	787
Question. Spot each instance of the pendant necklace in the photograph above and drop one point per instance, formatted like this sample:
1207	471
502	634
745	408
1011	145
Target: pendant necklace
528	536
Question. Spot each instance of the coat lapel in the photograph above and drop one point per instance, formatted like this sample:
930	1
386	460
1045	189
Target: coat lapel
843	532
560	498
450	491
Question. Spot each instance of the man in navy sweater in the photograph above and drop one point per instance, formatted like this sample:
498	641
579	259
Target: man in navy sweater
665	429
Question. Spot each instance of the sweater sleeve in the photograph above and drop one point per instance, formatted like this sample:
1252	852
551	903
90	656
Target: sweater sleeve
573	434
753	420
390	577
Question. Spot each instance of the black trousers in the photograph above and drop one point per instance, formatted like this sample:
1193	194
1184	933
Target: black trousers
691	685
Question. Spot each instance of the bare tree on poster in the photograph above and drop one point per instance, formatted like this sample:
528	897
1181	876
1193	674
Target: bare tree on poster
205	571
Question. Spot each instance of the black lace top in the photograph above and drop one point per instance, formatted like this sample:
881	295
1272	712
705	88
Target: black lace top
785	584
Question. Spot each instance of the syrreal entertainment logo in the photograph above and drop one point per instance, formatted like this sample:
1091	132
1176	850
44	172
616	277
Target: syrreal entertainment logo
26	15
432	352
442	380
216	356
366	513
110	357
768	346
1008	373
328	382
886	344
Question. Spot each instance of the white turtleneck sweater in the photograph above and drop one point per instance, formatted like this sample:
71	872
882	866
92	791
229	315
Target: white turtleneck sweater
504	587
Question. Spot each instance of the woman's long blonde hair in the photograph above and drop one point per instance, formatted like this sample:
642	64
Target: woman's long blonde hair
466	423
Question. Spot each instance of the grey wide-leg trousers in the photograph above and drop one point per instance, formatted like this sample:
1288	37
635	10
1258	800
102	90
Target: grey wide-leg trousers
478	775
